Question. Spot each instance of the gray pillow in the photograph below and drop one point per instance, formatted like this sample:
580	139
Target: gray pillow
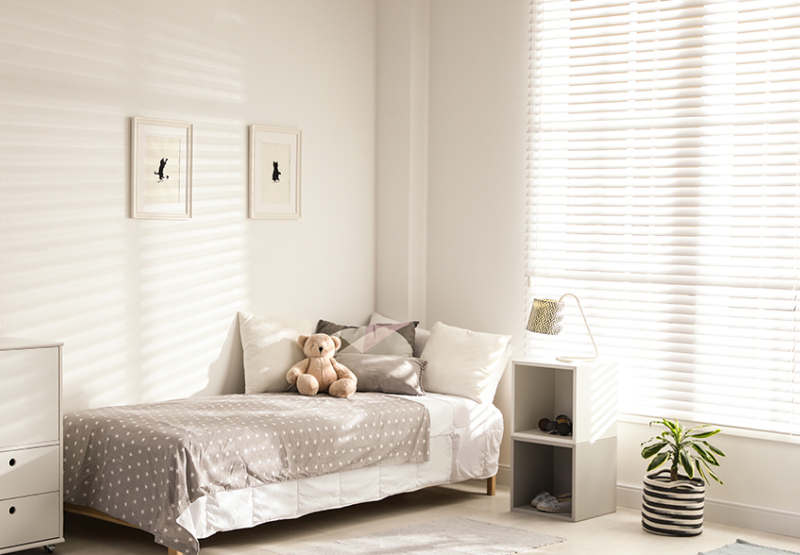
385	373
375	339
422	335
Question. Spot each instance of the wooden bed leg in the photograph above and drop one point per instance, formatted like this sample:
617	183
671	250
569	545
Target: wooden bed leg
491	486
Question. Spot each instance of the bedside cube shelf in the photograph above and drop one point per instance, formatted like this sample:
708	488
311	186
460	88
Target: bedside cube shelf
583	464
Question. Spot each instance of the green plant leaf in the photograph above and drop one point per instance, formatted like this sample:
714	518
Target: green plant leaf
711	473
674	427
714	449
699	466
651	450
702	435
687	449
686	463
707	457
657	461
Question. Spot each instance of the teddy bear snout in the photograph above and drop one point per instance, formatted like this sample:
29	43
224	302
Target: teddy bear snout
320	349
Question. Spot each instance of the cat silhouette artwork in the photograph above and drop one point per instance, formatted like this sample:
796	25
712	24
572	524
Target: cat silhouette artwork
160	172
276	174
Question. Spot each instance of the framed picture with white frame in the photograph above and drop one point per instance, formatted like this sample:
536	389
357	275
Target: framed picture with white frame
275	172
161	169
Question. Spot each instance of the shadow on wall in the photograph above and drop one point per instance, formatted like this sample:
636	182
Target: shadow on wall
146	308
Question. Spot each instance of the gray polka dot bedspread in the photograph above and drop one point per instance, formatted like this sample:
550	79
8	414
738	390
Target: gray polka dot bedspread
145	464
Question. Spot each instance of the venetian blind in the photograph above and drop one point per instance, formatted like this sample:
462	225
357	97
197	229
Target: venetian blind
663	192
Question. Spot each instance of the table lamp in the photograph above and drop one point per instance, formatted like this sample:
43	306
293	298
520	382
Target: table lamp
546	317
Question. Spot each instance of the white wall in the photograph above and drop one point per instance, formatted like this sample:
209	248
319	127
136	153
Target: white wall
473	62
146	309
402	158
477	171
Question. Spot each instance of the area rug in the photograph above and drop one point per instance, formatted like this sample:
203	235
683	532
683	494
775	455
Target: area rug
449	536
742	547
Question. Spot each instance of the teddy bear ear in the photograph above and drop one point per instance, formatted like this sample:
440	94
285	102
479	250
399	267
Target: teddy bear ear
302	340
337	342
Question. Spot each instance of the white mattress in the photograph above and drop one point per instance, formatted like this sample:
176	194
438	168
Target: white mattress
465	444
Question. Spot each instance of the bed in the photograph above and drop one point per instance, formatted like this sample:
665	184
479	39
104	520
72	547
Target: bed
463	438
184	470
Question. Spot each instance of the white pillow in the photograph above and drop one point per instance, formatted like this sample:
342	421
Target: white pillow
464	363
270	348
487	396
420	338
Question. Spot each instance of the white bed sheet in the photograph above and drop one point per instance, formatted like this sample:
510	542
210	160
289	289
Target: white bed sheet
465	444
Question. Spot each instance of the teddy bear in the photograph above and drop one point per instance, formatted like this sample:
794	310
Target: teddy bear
320	372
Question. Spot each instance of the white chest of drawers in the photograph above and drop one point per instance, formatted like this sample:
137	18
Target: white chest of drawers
31	486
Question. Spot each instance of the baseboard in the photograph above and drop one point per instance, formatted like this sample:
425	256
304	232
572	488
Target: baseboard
740	515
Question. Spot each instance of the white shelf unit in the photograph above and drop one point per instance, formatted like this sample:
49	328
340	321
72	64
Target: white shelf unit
583	464
31	454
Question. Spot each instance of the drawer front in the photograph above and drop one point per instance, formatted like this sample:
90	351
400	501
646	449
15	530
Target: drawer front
29	396
29	471
29	519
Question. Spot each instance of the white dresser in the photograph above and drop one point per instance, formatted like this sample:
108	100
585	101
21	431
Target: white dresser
31	489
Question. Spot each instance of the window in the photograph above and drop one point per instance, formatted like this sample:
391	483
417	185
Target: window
665	138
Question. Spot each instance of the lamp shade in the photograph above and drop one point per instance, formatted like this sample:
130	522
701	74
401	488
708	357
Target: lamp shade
546	316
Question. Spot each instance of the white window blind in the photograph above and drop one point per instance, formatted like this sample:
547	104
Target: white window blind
664	142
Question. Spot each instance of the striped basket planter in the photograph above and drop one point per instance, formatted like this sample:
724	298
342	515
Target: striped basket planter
673	508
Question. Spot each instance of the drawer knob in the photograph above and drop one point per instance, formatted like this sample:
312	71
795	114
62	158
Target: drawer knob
12	510
12	462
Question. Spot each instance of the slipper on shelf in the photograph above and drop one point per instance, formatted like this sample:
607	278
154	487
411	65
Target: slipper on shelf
539	498
555	504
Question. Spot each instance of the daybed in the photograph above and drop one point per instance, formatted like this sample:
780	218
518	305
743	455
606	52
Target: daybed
186	469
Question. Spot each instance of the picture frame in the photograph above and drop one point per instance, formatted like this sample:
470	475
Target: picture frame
275	162
161	169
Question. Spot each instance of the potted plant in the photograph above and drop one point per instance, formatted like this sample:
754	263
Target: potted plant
674	497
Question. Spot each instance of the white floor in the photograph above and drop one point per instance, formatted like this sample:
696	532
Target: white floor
620	533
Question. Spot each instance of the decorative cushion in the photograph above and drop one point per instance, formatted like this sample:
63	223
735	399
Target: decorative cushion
464	363
375	339
420	339
386	373
270	348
